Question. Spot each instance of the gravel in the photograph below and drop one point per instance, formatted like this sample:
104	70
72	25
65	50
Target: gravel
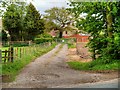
51	70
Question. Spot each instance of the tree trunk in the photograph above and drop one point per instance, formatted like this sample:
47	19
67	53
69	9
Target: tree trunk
109	21
109	25
93	55
109	18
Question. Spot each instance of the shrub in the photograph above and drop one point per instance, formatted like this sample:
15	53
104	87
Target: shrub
42	40
45	35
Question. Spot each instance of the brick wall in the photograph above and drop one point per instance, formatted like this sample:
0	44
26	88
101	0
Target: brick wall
79	38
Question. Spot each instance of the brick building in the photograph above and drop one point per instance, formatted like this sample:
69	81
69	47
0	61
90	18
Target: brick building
79	37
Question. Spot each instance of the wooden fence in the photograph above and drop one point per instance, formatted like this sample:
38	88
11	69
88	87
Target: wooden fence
17	53
7	55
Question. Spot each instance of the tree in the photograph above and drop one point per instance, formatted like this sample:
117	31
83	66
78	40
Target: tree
50	26
4	36
12	21
102	23
12	18
61	17
33	23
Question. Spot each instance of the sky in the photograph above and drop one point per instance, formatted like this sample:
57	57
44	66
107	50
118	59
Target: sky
42	5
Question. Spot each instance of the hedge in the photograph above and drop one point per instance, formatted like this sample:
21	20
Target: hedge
42	40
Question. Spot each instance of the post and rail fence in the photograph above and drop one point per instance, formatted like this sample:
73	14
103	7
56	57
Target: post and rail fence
16	53
7	55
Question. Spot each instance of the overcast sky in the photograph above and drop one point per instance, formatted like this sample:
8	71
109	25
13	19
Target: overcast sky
43	5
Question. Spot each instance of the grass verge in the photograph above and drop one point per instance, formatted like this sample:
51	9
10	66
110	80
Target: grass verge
94	65
10	70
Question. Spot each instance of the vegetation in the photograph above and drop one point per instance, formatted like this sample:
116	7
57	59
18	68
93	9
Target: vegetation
42	40
21	21
102	21
71	45
45	37
33	23
60	19
94	65
10	70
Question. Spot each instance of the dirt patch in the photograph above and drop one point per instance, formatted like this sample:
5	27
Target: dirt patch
75	56
83	51
7	78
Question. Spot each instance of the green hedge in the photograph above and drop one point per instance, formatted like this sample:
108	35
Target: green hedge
42	40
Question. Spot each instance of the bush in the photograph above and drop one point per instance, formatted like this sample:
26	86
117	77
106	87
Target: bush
66	40
42	40
45	35
20	45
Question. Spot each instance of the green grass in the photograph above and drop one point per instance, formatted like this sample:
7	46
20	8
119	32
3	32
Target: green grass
71	45
94	65
7	48
10	70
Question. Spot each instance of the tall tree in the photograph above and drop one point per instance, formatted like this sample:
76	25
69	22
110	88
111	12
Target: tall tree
12	21
33	23
12	18
61	17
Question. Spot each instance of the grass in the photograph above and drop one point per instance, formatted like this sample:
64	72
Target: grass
60	47
71	45
94	65
10	70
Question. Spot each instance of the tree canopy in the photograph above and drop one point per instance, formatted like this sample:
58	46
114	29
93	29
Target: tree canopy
33	23
22	21
61	17
102	22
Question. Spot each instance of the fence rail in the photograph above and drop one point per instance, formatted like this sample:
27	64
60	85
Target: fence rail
8	55
16	53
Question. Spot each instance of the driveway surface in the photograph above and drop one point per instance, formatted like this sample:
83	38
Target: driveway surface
51	70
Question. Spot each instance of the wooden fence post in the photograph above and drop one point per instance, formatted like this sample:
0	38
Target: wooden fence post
20	53
16	52
9	55
0	56
5	56
11	50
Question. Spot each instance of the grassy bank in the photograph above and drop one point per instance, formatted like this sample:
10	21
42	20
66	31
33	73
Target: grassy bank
94	65
10	70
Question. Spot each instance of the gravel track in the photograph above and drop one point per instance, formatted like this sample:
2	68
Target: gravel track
51	70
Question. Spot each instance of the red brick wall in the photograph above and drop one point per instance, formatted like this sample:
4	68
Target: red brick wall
82	39
79	38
